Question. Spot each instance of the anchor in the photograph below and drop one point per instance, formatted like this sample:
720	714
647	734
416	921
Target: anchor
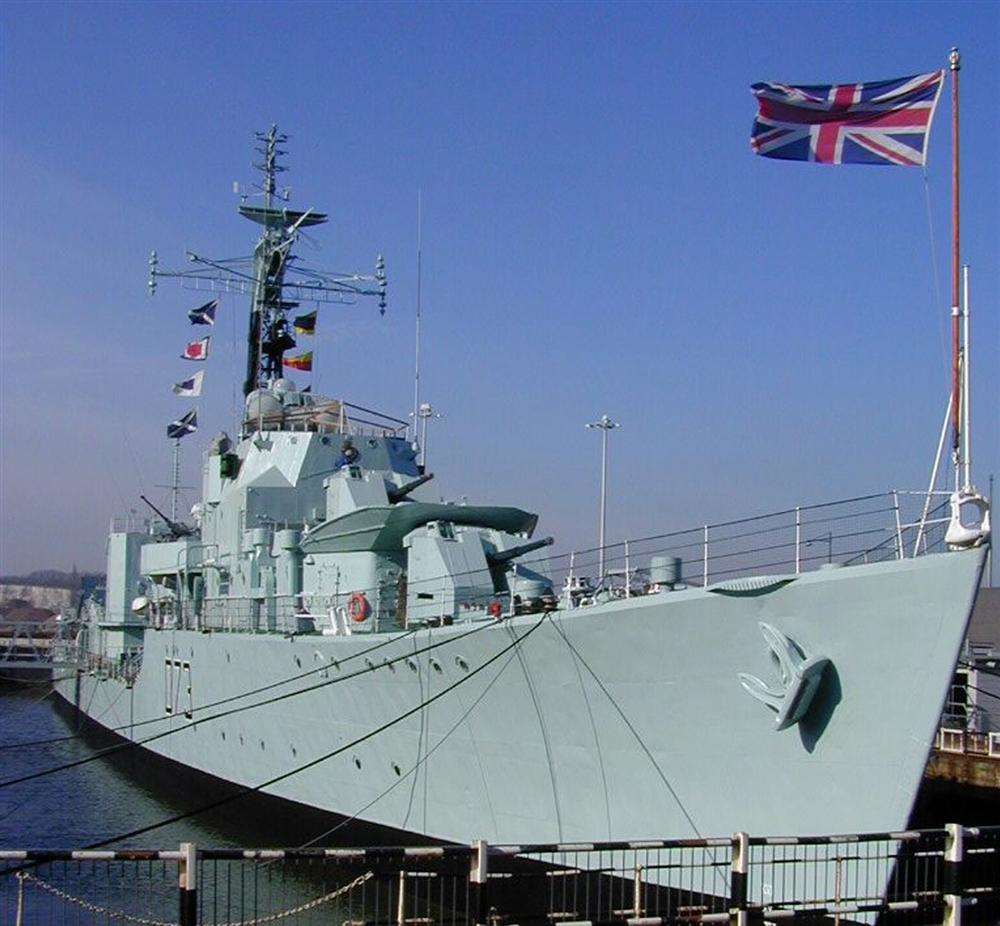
800	679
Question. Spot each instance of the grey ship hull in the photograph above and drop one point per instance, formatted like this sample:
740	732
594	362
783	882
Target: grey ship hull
618	721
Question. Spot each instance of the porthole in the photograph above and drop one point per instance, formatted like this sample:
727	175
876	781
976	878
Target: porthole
391	665
298	662
223	734
436	665
295	752
261	744
357	762
397	769
369	663
461	663
241	739
412	665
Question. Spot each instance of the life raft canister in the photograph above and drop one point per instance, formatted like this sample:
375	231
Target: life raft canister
358	608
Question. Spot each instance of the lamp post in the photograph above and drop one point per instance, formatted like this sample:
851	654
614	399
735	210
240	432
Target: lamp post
604	425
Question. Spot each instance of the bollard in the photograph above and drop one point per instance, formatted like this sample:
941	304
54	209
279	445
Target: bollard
951	881
479	882
739	870
188	883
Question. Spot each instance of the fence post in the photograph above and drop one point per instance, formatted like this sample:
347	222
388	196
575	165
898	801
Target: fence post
188	884
19	916
637	892
401	901
628	580
739	869
479	882
952	875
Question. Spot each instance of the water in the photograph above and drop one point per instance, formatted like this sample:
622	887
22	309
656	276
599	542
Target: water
131	789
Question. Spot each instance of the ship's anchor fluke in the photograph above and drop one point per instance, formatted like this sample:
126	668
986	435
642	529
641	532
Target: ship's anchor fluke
800	679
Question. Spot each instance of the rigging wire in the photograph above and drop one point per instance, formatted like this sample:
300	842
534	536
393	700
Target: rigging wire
989	694
235	710
201	707
632	729
421	760
142	830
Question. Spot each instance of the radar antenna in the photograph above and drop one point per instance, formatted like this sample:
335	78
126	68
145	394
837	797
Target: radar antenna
274	278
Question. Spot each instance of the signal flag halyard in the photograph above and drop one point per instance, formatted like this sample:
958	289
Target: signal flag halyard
302	362
204	314
197	350
188	424
879	122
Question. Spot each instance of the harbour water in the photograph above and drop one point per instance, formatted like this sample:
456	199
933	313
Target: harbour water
129	790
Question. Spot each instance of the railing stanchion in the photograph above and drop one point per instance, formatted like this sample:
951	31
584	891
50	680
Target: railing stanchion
738	876
187	880
798	540
952	875
569	581
479	881
704	570
637	892
628	580
899	526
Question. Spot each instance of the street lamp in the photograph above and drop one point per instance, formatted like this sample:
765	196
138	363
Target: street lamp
604	425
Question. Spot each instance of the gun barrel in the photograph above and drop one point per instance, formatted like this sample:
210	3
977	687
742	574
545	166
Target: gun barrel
181	530
399	493
505	556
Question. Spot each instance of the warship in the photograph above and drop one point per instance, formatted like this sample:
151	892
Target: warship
323	628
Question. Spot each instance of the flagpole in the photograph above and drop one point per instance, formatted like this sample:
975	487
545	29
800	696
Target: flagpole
955	63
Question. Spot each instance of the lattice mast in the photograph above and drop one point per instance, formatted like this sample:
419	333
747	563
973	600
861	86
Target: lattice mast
274	278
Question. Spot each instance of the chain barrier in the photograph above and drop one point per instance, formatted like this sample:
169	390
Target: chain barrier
302	908
108	913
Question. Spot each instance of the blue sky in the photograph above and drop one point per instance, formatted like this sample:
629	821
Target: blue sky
597	237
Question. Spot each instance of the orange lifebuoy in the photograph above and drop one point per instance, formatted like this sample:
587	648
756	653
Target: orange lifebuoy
358	608
495	609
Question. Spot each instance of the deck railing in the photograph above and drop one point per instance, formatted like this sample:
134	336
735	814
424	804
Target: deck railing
865	529
924	877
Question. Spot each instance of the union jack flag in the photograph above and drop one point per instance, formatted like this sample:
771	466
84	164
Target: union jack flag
880	122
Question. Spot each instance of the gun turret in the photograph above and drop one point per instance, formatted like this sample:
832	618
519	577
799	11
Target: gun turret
178	530
502	557
398	493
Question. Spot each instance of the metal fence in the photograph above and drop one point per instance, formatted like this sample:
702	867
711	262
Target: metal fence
919	877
